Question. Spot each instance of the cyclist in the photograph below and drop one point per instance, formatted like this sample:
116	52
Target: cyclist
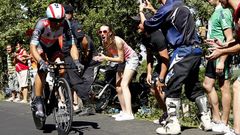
46	38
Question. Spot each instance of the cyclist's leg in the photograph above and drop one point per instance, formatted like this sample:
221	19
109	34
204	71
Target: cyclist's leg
38	89
39	82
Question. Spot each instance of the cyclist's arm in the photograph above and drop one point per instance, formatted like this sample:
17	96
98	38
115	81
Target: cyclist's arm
33	50
35	40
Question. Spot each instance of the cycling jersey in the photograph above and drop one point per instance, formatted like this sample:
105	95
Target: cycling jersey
45	36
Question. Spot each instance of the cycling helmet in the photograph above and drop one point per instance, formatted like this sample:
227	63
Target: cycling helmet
55	11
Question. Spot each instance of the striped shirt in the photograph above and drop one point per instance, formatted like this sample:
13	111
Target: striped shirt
10	65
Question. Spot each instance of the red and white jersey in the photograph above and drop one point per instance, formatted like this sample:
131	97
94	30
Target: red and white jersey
43	34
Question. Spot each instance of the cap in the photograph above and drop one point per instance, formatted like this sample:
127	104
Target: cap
77	31
146	14
68	9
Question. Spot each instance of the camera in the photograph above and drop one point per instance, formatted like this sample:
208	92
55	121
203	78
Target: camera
154	79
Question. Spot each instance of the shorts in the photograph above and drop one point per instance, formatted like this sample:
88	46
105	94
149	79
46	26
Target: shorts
132	62
211	70
13	81
22	78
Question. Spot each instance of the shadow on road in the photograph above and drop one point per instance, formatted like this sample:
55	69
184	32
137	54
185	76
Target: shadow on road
48	128
80	126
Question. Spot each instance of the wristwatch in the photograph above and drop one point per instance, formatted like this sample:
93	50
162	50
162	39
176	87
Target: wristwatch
161	80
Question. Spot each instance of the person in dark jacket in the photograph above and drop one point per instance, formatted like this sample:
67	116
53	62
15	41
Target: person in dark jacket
80	82
178	26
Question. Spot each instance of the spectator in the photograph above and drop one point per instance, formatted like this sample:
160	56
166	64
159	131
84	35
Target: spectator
81	85
11	71
231	47
219	27
117	50
22	72
156	45
177	23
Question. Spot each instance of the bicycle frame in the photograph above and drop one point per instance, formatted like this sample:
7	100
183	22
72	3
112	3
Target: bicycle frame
59	93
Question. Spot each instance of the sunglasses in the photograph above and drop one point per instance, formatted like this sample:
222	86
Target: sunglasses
55	20
104	32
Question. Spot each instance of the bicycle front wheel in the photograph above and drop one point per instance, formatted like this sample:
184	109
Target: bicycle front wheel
63	112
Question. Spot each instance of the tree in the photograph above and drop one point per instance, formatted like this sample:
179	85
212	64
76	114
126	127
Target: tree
18	17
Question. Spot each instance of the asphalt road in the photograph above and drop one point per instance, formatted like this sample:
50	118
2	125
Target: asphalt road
16	119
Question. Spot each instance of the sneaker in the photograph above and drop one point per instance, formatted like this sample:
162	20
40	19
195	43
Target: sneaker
23	102
172	127
205	124
118	114
124	117
16	100
10	99
220	127
162	119
232	132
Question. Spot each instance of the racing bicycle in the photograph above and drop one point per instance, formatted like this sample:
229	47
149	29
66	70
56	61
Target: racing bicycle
57	100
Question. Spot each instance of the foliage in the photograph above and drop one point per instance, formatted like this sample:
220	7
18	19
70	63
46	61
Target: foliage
202	8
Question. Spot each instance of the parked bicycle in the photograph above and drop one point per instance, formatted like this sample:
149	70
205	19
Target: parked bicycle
104	89
57	100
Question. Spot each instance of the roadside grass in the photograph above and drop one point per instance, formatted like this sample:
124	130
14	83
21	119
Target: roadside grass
1	96
190	118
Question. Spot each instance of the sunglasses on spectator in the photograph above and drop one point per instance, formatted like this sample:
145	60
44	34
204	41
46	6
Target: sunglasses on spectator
55	20
104	32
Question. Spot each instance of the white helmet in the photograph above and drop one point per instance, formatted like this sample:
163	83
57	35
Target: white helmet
55	11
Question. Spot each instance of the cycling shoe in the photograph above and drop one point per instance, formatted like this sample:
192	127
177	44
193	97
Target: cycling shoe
37	106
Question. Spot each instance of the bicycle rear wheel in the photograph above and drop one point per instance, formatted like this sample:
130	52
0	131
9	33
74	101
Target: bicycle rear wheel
103	100
63	112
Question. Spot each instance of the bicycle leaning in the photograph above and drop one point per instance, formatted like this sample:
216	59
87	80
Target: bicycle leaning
57	100
104	91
